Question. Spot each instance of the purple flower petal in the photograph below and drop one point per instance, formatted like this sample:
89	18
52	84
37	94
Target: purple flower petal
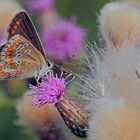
40	5
50	90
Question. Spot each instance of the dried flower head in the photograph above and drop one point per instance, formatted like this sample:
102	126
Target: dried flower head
39	6
74	115
120	25
63	40
112	87
35	118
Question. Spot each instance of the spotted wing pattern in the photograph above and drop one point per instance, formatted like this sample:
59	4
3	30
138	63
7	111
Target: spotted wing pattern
17	68
19	59
22	25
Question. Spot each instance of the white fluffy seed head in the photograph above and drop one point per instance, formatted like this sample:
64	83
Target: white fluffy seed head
112	81
119	25
112	86
114	119
122	76
113	73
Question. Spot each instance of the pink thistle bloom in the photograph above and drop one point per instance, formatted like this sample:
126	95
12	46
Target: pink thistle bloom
40	5
63	40
50	90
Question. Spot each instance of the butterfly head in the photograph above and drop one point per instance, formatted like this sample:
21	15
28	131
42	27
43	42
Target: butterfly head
45	70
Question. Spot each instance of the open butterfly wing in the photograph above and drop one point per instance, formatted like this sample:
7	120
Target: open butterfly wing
22	25
19	59
17	68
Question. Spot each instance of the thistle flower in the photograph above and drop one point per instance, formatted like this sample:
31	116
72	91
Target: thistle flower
40	6
45	122
51	90
114	27
63	40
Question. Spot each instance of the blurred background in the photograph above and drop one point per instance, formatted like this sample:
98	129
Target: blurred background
65	25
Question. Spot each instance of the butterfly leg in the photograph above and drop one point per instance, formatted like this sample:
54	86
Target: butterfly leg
46	72
37	79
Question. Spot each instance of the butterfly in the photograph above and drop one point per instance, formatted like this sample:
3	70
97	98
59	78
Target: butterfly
23	56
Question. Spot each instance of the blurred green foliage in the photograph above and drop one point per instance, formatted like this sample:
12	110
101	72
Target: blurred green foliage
9	130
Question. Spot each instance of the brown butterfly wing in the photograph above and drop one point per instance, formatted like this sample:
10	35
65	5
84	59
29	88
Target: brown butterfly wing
19	59
18	46
17	68
22	25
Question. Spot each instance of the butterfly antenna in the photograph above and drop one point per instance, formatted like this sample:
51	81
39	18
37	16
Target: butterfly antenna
61	68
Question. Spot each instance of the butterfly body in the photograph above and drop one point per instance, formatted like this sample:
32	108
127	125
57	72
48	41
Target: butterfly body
22	56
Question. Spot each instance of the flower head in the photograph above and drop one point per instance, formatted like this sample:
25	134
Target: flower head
112	87
114	27
39	6
63	40
50	90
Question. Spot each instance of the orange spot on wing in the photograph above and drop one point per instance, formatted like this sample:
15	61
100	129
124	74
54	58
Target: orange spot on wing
13	32
0	67
8	54
11	46
5	63
10	60
14	42
3	75
1	72
18	23
9	51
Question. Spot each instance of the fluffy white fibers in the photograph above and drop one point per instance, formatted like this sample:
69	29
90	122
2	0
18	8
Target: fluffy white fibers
112	85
